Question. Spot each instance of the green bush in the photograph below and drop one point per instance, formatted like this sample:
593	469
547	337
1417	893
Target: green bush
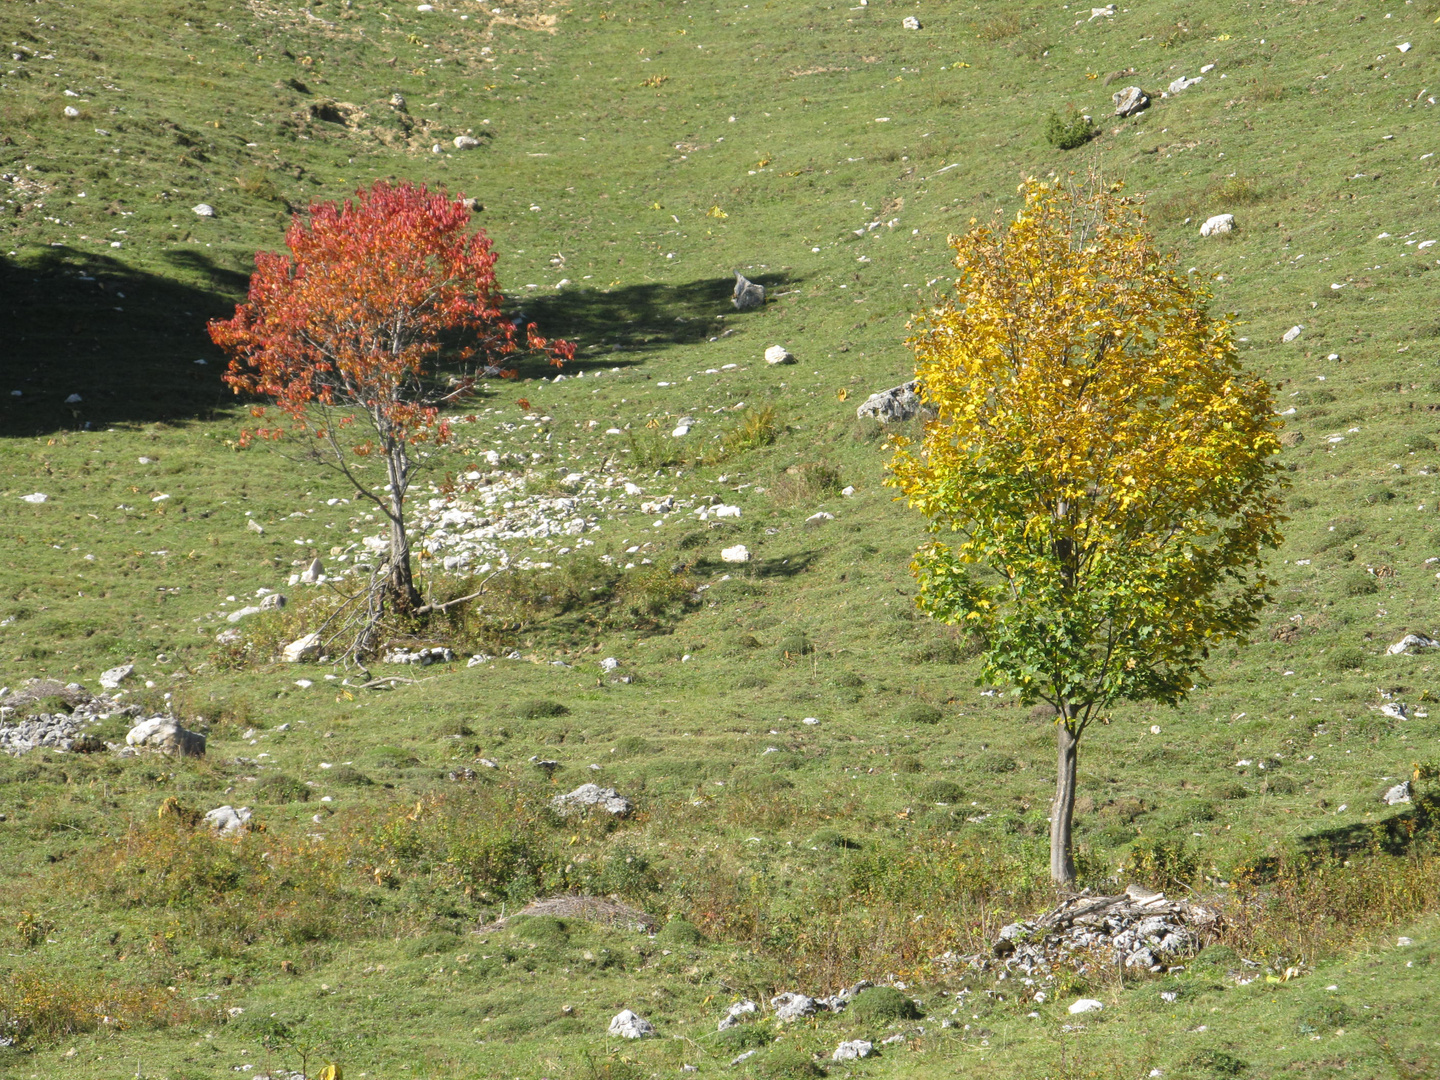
849	679
279	788
1220	957
539	709
793	645
997	763
788	1063
751	682
1069	131
680	932
881	1005
1348	657
946	791
350	777
1216	1063
1360	583
744	1037
919	712
541	929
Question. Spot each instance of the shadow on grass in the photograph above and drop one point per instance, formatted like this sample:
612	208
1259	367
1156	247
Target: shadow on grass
125	340
1394	835
641	318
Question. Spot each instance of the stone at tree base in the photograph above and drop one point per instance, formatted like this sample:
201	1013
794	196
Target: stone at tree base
1130	101
748	295
588	795
301	649
627	1025
113	677
1218	225
164	734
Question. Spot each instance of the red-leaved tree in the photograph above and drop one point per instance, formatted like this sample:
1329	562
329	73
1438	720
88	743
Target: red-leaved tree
344	335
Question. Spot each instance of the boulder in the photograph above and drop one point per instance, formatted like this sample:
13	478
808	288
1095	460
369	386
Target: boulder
274	602
778	354
588	795
789	1006
734	1014
301	649
1218	225
1293	333
1393	709
243	613
203	210
1396	795
896	405
627	1025
1412	641
910	22
849	1051
466	142
738	553
164	734
227	820
1130	101
748	295
116	675
1085	1005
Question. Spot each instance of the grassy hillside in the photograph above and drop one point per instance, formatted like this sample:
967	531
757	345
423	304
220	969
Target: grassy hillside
631	157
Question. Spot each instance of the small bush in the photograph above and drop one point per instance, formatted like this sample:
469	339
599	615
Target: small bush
996	762
919	712
792	646
805	483
881	1005
908	764
540	709
652	448
1069	131
1359	583
746	1037
541	929
279	788
756	429
1219	957
680	932
788	1063
946	791
452	728
849	679
634	746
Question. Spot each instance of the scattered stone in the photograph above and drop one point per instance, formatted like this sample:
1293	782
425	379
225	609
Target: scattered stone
735	1014
243	613
910	22
682	428
792	1006
35	497
478	659
1393	709
1398	794
397	101
111	678
849	1051
463	773
609	664
738	553
848	491
274	602
74	399
894	1040
71	112
748	295
746	1056
1410	642
301	649
313	573
1183	83
434	654
588	795
228	819
1218	225
627	1025
778	354
1291	334
164	734
1102	12
231	636
203	210
466	142
1085	1005
819	518
896	405
254	526
1130	101
60	730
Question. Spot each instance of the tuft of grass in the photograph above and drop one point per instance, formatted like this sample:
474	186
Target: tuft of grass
755	430
883	1005
1070	131
540	709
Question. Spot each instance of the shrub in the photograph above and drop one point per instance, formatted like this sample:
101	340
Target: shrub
541	929
849	679
756	429
883	1004
1359	584
540	709
680	932
919	712
996	762
806	482
1069	131
349	776
1220	957
746	1037
1217	1063
788	1063
651	448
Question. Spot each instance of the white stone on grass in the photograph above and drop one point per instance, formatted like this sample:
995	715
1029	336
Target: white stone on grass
1293	333
1398	794
301	649
466	142
1412	641
113	677
228	819
849	1051
792	1006
737	554
588	795
1085	1005
628	1025
1130	101
910	22
35	497
778	354
1218	225
203	210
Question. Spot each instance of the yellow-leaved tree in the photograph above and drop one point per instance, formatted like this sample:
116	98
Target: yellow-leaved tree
1100	476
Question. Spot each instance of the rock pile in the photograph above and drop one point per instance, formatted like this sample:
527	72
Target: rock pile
1139	928
592	795
424	657
29	719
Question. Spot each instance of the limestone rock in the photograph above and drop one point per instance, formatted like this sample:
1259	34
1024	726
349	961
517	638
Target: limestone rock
748	295
1085	1005
627	1025
1218	225
778	354
588	795
301	649
910	22
255	526
164	734
1183	83
896	405
849	1051
1396	795
738	553
227	820
1130	101
1293	333
734	1014
314	572
242	613
466	142
1412	641
791	1006
203	210
274	602
113	677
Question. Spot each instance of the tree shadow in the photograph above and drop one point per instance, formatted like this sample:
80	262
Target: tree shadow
642	318
1395	835
126	341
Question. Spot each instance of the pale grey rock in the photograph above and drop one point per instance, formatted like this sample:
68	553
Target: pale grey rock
778	354
746	1056
910	22
113	677
609	664
896	405
1219	225
1293	333
203	210
737	1012
1183	83
397	101
231	636
164	734
254	526
628	1025
228	819
1394	709
1130	101
737	554
748	295
1412	641
273	602
591	795
855	1048
792	1006
1085	1005
301	649
314	572
243	613
466	142
1398	794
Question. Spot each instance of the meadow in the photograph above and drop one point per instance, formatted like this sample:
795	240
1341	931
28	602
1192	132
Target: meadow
630	158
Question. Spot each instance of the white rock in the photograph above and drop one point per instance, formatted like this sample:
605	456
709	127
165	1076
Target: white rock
478	659
203	210
228	819
1404	46
910	22
847	491
1393	709
113	677
301	649
74	399
588	795
1130	101
896	405
242	613
164	734
1398	794
778	354
1102	12
71	111
36	497
849	1051
1218	225
725	511
790	1006
1206	69
1085	1005
254	526
627	1025
735	1012
738	553
609	664
314	572
1412	641
466	142
1183	83
820	517
1291	334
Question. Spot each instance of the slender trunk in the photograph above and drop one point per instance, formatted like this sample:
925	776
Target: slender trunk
1062	811
402	581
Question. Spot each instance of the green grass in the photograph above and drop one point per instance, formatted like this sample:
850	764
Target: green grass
911	819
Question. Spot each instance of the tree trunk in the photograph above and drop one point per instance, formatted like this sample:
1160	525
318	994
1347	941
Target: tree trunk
1062	811
402	582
